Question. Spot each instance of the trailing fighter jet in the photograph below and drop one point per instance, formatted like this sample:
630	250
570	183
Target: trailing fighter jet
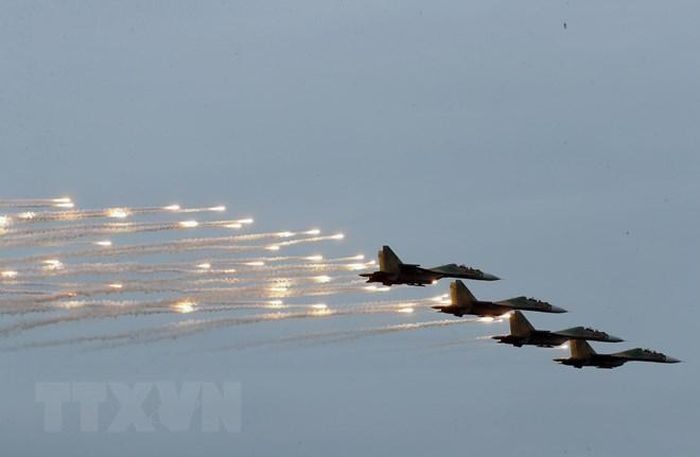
523	333
463	302
393	271
583	355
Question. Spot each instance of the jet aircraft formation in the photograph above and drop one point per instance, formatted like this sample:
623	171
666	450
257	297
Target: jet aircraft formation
392	271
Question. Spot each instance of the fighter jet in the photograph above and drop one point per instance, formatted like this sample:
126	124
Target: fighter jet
463	302
583	355
393	271
523	333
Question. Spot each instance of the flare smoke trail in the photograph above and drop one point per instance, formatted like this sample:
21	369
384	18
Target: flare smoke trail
199	265
31	217
345	335
54	235
190	268
253	288
191	327
36	203
171	247
108	309
228	275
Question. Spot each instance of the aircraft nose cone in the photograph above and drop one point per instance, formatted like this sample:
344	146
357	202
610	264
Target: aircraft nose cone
490	277
556	309
615	339
672	360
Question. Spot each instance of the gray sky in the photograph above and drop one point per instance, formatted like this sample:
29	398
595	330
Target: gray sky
563	160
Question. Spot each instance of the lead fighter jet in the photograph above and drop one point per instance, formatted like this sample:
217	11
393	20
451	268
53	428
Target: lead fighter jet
463	302
523	333
583	355
393	271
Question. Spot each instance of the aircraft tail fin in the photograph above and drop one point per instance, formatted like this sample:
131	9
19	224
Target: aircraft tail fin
580	349
519	325
388	260
460	295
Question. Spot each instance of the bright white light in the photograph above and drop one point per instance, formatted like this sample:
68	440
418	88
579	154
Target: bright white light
506	315
246	221
117	213
4	221
272	247
377	288
322	279
62	200
68	205
204	266
313	232
285	234
283	282
232	225
319	306
103	243
321	311
338	236
276	304
487	319
174	207
52	264
27	215
115	285
184	307
314	258
255	263
356	266
8	274
219	209
71	304
188	224
406	310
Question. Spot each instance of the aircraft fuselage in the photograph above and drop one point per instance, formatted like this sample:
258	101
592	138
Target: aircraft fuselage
598	361
408	276
540	338
478	308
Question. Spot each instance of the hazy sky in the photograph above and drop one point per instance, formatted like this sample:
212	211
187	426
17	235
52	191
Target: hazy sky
563	160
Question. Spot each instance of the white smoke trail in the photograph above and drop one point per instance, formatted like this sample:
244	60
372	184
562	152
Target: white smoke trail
238	282
36	203
64	234
110	213
82	310
241	266
188	328
243	271
346	335
192	244
251	288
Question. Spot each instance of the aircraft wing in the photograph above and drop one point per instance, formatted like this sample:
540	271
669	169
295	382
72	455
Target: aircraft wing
460	271
532	304
644	355
587	334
